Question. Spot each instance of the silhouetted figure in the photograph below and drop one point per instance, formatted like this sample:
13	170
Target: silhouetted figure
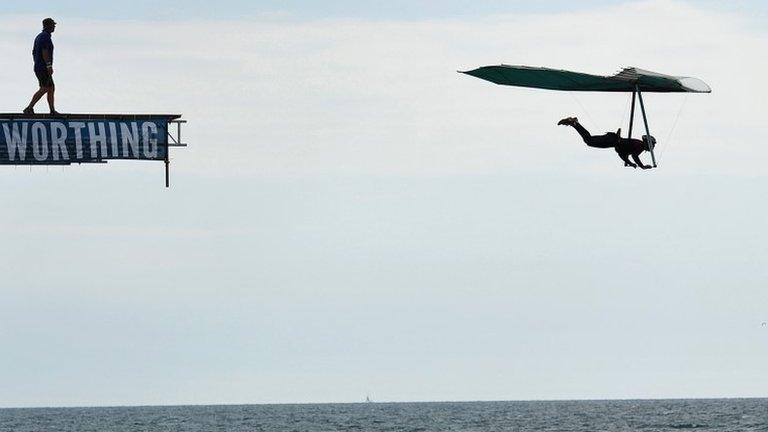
42	53
625	147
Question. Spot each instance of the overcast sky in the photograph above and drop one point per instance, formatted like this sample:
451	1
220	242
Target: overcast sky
355	217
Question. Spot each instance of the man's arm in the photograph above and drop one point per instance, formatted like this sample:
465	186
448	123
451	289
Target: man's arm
639	162
46	51
47	58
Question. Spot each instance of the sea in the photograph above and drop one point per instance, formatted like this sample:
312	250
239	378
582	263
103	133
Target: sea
574	416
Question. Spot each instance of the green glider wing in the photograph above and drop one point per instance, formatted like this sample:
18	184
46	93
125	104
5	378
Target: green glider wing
628	80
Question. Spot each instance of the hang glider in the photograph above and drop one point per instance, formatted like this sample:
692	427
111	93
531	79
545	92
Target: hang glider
629	80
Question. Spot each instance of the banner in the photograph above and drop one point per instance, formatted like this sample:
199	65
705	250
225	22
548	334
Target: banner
73	140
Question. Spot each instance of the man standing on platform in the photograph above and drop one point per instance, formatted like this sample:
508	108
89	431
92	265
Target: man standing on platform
42	53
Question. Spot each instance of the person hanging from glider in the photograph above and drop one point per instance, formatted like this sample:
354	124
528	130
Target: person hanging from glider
630	80
625	147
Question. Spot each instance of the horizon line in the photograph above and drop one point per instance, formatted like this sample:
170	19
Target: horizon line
363	402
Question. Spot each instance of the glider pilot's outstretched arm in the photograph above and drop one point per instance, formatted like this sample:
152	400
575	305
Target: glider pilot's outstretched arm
625	158
639	162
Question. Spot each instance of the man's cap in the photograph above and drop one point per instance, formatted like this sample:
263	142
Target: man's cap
48	21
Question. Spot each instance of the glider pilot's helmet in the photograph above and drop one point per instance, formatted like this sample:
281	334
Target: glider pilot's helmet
650	145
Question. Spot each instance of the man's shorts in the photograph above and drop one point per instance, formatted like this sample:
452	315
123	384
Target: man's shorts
44	78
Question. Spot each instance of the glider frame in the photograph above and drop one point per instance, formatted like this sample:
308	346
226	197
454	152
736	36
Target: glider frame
639	95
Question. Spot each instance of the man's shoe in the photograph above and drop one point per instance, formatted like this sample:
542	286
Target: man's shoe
568	121
28	110
55	113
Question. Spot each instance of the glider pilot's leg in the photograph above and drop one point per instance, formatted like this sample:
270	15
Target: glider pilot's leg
608	140
625	158
636	158
585	135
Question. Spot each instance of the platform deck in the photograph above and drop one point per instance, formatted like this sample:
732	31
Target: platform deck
86	116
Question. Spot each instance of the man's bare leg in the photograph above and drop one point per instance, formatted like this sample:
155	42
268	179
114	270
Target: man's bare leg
37	96
51	99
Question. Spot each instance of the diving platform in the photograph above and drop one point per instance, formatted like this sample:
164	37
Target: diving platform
77	138
73	116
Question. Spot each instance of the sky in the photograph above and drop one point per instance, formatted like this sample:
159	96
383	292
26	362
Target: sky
303	9
354	217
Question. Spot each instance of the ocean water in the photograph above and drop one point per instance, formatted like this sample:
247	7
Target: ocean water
573	416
